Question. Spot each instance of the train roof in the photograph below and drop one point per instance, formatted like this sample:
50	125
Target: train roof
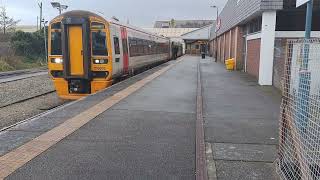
82	13
136	29
79	13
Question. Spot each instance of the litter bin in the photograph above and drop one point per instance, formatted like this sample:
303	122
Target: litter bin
203	55
230	63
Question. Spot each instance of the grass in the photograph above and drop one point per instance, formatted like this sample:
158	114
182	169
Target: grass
11	63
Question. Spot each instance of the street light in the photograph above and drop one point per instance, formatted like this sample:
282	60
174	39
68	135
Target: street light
45	38
217	19
59	6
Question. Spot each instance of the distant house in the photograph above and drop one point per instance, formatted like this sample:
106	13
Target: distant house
26	28
182	23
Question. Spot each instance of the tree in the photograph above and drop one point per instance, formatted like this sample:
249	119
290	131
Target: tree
172	23
7	23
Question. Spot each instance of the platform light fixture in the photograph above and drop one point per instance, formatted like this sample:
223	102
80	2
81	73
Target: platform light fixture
59	6
216	31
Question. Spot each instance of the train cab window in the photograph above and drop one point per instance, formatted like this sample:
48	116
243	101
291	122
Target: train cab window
116	45
56	25
56	43
99	44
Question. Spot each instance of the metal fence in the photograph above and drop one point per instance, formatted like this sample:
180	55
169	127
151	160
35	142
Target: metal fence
299	149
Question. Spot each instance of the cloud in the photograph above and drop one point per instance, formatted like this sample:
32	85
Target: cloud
139	12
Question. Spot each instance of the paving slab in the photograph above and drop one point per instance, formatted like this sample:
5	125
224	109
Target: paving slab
229	170
241	131
244	152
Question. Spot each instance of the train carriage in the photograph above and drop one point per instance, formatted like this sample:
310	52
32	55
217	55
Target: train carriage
87	52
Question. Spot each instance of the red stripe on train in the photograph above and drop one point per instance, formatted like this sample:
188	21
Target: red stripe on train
124	37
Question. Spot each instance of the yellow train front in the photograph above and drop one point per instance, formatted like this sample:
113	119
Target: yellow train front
86	52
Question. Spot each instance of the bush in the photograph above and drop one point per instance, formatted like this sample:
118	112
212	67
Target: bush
8	63
27	44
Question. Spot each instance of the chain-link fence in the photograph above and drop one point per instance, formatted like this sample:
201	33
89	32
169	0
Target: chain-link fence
299	150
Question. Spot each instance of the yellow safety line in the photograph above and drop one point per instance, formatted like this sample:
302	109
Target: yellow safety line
15	159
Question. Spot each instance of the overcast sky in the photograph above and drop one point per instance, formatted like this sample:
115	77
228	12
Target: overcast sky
141	13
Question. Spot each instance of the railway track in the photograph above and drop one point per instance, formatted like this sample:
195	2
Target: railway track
20	74
48	111
26	99
22	110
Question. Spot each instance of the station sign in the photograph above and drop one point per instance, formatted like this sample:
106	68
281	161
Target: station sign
301	2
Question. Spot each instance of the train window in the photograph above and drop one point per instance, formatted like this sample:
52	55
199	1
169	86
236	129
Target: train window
99	45
116	45
56	43
56	25
96	25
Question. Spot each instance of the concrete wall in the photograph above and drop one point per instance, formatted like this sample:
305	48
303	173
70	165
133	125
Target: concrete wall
267	45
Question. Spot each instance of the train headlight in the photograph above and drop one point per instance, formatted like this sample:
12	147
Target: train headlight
57	60
100	61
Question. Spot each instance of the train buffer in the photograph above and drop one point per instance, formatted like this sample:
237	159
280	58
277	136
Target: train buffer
150	127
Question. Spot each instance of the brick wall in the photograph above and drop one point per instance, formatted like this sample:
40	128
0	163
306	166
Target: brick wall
253	57
233	42
227	46
239	48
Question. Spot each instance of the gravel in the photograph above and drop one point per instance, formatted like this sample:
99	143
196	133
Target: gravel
15	113
15	91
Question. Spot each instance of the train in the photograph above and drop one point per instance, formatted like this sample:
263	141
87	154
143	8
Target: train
88	53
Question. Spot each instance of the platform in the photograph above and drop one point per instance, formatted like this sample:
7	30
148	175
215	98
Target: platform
144	128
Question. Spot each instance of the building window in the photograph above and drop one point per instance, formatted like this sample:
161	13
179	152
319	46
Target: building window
197	46
254	26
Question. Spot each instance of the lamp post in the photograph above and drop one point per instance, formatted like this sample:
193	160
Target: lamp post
59	6
216	35
45	39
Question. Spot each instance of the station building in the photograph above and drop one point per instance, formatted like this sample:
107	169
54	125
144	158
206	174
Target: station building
193	34
197	41
255	32
182	23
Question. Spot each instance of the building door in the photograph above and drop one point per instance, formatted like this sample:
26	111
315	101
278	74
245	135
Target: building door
75	45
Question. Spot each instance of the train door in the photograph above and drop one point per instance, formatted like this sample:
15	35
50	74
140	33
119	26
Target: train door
117	51
75	50
124	38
